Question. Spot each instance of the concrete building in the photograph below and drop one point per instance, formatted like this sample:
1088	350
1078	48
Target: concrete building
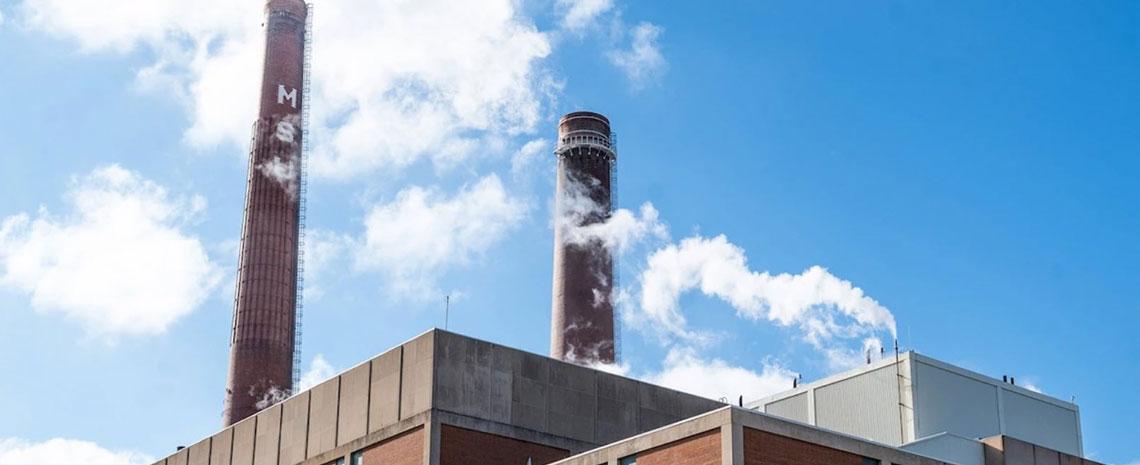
442	398
919	403
446	399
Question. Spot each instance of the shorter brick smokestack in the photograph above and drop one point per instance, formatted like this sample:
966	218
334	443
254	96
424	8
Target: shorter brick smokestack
582	314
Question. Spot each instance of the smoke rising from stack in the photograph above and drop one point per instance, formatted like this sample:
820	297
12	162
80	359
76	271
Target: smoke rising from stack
263	339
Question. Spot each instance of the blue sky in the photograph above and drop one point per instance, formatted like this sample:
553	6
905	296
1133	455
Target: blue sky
969	168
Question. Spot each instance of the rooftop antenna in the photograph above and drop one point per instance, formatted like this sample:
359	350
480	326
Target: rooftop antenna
446	310
899	390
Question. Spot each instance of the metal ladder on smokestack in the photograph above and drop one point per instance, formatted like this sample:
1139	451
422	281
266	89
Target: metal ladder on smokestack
302	194
615	286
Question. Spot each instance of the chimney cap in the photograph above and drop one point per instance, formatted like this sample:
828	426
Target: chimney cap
584	114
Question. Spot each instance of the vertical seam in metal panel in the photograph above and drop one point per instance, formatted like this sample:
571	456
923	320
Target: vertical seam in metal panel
253	450
400	387
308	421
336	420
1001	408
368	400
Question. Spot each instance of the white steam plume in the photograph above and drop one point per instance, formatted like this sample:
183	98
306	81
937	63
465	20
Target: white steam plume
617	233
823	307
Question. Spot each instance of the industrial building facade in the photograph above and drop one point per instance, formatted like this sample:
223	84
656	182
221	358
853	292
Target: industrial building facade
446	399
923	404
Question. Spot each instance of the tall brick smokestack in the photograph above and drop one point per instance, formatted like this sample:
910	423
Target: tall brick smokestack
582	317
262	340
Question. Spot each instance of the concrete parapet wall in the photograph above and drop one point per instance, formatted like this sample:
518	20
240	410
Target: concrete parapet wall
456	380
495	383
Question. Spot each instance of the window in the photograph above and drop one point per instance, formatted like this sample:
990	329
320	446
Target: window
631	460
871	461
357	458
339	461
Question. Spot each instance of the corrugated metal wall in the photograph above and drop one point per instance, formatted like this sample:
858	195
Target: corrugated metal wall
865	405
792	408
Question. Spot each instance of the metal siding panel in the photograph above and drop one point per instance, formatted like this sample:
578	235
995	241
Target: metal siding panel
293	429
244	435
792	408
324	402
200	453
352	422
1041	423
178	458
949	402
220	447
268	436
866	405
384	390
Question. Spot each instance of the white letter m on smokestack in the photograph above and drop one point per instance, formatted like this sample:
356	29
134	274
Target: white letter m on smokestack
282	95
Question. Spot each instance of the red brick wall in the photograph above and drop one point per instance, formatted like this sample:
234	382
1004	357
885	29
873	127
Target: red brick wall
763	448
405	449
702	449
458	446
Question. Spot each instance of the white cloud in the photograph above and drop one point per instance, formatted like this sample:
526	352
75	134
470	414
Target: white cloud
319	371
119	262
827	310
58	451
579	14
421	233
323	250
527	155
206	52
642	62
684	370
396	81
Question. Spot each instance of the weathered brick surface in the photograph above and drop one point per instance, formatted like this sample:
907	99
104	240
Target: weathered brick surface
405	449
702	449
460	446
763	448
